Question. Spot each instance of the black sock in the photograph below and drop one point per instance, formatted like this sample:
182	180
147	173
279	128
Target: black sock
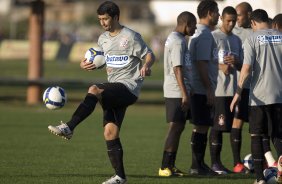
83	110
266	143
115	154
235	140
215	141
172	164
278	145
168	159
198	146
258	156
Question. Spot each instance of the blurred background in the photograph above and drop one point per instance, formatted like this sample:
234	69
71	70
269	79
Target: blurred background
71	27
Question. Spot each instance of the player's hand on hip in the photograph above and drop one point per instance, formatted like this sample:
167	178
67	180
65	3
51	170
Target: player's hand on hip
87	65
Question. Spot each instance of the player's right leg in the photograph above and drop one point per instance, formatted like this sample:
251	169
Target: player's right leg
202	120
176	119
65	130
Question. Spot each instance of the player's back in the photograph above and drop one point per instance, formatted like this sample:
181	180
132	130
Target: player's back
266	83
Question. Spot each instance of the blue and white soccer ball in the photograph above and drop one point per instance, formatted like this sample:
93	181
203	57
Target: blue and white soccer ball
54	97
95	55
249	162
270	175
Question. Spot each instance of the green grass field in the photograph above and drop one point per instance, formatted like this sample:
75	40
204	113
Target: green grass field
29	154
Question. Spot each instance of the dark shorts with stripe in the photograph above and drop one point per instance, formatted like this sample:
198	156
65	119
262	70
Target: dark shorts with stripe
223	117
115	100
242	108
266	119
202	114
174	113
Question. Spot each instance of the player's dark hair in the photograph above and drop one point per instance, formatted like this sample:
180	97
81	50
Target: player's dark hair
110	8
229	10
278	20
246	6
259	15
205	6
186	18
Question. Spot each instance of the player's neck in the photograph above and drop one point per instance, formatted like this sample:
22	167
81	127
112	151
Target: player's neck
205	21
225	31
116	30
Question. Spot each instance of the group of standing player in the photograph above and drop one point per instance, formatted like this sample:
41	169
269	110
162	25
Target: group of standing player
232	75
202	76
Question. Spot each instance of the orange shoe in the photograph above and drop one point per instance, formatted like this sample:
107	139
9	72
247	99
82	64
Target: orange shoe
239	168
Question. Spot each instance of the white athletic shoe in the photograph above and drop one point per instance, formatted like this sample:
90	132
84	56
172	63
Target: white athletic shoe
62	130
279	173
259	182
115	180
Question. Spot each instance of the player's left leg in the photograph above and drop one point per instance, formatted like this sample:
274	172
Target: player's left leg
222	123
276	113
258	128
112	122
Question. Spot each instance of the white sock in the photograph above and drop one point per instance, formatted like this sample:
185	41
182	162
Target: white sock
269	158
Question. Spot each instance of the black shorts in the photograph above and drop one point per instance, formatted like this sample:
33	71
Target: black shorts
115	99
266	119
174	113
223	117
202	114
242	108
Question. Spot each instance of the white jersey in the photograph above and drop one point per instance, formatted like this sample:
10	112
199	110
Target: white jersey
226	45
124	54
263	51
243	34
176	54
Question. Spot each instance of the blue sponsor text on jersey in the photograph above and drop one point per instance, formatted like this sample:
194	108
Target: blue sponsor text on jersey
117	60
264	39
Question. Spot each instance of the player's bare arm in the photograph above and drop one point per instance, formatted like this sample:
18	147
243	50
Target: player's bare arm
243	77
202	67
146	68
179	78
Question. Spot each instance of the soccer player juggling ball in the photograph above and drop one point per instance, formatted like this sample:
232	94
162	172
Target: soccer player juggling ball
125	78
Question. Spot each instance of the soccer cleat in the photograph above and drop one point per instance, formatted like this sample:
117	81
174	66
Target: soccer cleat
220	169
279	173
203	169
259	182
115	180
62	130
166	172
177	172
239	168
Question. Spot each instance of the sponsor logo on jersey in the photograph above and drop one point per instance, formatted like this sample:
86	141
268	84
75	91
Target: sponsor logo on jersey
264	39
117	61
123	43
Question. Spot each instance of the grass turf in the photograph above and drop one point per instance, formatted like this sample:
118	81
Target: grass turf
30	154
